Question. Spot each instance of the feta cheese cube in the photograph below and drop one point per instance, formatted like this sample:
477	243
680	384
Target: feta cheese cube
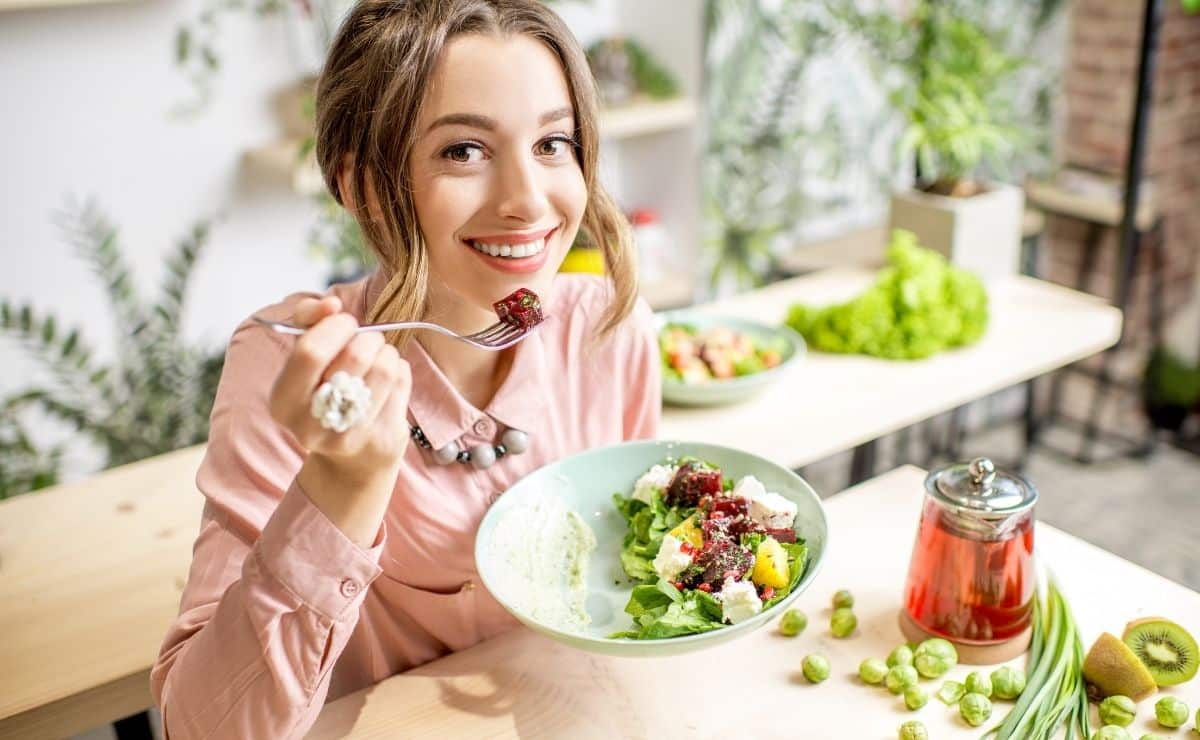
773	511
748	488
739	601
658	477
671	559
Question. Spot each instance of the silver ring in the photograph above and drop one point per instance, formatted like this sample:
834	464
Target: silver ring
341	402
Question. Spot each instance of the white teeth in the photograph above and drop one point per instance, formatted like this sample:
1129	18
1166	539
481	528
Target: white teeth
515	251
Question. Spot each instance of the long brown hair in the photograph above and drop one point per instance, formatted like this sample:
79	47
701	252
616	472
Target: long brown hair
368	101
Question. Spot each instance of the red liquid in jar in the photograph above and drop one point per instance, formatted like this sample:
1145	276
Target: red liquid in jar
969	586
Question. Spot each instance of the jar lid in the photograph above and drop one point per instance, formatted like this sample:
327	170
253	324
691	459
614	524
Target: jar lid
978	487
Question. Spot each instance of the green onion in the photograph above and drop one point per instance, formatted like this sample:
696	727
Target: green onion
1055	696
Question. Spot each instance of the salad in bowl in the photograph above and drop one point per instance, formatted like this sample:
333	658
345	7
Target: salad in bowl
707	550
709	360
652	547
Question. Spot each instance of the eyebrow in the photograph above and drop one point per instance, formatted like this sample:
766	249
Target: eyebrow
489	124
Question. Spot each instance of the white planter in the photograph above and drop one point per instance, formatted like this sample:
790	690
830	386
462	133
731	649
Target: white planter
981	233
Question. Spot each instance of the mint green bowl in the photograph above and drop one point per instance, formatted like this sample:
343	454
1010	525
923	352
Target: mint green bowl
586	483
733	390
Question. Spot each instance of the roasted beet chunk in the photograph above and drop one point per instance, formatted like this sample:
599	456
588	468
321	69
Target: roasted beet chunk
692	481
787	534
729	527
522	309
721	559
726	505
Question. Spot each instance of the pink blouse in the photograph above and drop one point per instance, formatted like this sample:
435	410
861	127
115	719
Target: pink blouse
282	612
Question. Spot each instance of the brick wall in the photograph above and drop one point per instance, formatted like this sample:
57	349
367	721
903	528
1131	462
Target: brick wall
1099	81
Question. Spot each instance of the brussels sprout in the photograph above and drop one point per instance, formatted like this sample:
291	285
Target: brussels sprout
975	709
913	730
792	623
902	655
915	697
1007	682
1111	732
900	678
842	622
934	657
1118	710
1152	736
951	692
1171	712
872	670
816	668
843	599
978	683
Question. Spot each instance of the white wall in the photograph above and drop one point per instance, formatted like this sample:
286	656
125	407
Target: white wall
86	93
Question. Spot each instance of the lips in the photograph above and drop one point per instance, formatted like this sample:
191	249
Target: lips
512	246
514	253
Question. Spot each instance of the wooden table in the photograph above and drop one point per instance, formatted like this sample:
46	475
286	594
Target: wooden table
90	572
522	684
90	577
832	403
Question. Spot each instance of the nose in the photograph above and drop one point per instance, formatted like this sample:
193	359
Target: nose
521	195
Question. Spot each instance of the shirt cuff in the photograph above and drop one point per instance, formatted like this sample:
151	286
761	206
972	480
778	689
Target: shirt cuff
314	559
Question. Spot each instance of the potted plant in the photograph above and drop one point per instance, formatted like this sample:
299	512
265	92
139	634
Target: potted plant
1170	390
155	396
958	117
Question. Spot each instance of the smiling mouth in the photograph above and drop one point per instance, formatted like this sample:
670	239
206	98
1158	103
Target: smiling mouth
516	251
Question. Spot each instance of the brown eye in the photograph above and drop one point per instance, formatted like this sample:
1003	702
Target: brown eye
554	146
464	153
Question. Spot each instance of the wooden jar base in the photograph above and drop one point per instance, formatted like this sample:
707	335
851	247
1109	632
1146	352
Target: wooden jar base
972	654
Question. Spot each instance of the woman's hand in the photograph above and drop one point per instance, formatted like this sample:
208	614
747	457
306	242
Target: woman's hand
349	474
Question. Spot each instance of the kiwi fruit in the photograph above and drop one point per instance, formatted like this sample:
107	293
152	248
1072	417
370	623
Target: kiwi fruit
1166	649
1113	669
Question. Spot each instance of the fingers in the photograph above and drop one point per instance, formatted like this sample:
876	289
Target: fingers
387	377
389	380
311	356
311	310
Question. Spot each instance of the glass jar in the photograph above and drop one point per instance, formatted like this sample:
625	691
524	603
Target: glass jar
971	579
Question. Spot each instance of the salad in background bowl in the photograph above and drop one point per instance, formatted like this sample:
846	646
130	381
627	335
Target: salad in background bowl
710	360
652	548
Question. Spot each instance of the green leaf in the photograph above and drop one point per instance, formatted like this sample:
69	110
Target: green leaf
210	58
69	344
48	329
679	619
183	45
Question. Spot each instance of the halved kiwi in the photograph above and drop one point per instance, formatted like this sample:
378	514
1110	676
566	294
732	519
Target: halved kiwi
1167	650
1112	669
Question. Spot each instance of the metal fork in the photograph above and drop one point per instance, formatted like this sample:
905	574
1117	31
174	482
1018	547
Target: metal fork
498	336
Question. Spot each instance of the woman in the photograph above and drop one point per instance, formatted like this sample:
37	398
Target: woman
462	136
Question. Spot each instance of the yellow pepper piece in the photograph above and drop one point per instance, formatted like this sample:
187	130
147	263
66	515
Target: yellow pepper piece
687	531
770	564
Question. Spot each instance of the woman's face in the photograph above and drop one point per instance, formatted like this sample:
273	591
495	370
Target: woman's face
498	191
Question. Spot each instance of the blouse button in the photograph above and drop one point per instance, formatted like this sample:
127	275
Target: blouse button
349	588
483	428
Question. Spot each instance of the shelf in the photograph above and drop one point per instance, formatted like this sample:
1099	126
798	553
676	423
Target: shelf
282	159
1091	198
647	117
6	5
